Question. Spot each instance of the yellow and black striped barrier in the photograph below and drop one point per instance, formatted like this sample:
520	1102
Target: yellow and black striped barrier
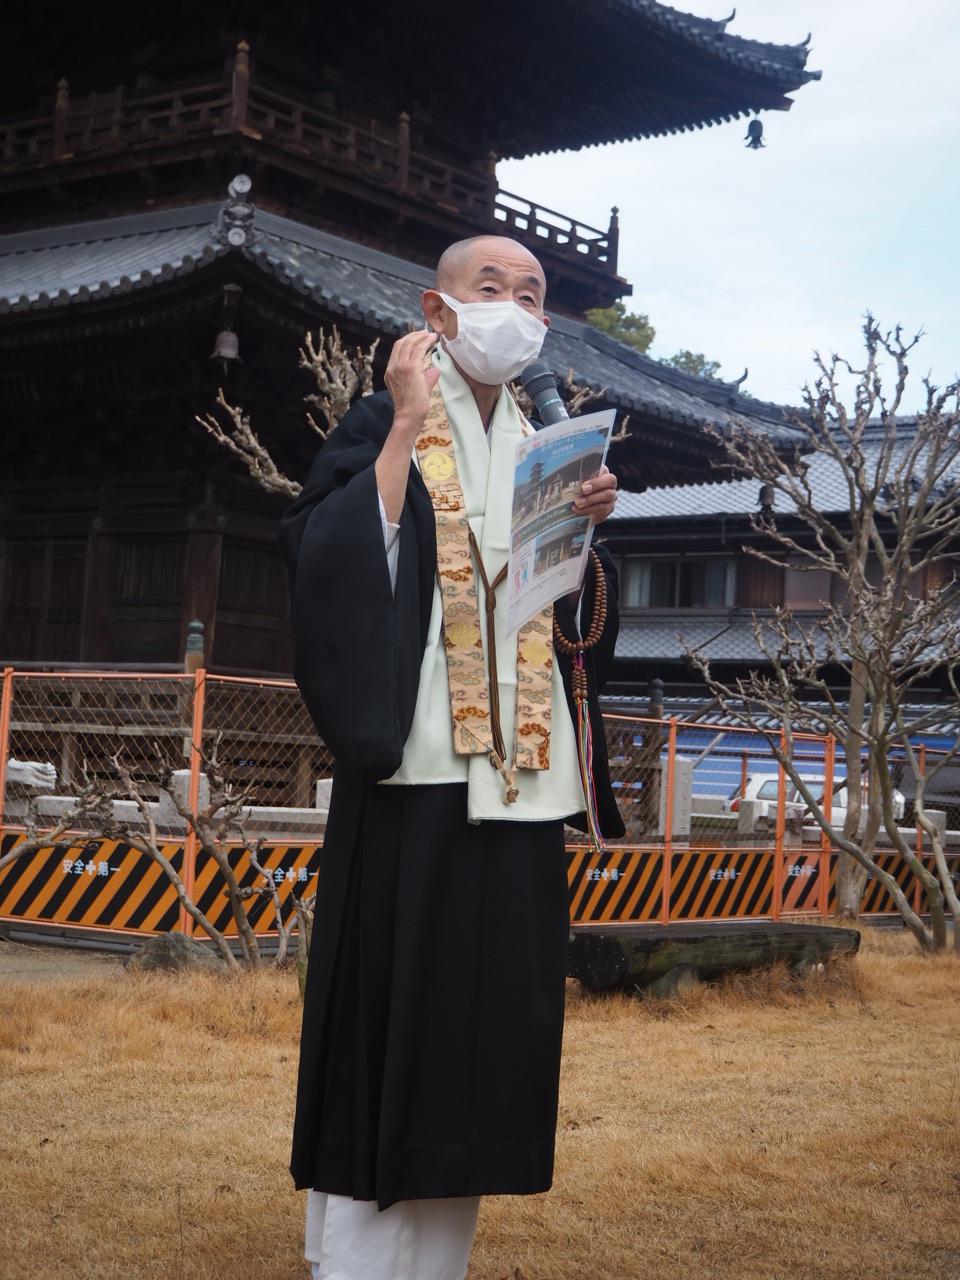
104	884
877	899
293	869
616	885
627	885
801	881
721	884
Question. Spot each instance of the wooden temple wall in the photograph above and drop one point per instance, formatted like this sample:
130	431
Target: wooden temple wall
121	585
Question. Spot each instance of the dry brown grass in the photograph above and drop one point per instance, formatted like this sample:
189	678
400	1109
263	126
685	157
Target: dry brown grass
761	1130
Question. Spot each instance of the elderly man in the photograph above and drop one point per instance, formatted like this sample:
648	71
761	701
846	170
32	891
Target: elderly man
433	1011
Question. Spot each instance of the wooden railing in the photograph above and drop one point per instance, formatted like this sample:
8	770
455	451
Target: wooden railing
101	123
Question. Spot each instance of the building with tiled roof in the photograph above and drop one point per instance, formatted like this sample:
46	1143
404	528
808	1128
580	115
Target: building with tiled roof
688	582
122	262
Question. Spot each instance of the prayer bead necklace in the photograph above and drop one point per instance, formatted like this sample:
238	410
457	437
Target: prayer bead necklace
578	687
576	648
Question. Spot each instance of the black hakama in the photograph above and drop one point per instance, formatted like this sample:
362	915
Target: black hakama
440	1073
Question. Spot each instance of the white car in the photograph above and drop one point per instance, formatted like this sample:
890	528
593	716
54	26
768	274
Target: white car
763	789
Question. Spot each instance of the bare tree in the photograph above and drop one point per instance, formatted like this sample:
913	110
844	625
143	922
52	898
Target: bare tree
340	375
217	826
91	806
889	623
219	830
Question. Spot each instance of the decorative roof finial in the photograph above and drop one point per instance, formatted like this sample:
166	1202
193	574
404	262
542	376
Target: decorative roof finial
234	225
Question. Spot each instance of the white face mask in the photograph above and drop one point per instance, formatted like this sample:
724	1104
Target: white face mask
495	340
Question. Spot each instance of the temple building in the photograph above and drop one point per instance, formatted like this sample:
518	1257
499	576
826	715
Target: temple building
222	179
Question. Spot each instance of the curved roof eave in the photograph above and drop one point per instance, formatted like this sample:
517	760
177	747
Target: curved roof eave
42	270
748	76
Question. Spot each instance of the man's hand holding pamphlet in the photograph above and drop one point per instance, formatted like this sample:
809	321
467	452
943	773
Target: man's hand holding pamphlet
549	540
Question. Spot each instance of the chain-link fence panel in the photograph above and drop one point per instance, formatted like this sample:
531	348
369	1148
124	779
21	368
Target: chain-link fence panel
66	731
726	784
940	769
714	827
637	751
259	739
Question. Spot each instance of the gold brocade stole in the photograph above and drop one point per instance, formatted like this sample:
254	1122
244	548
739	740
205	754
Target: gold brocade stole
474	731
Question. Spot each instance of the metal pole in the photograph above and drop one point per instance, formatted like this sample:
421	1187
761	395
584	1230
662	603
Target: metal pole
744	775
778	839
6	709
193	795
829	766
917	888
668	822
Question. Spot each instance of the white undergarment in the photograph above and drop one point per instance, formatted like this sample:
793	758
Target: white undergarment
349	1239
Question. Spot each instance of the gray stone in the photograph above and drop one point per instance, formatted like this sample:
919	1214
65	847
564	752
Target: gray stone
682	797
749	817
176	952
674	982
939	819
165	813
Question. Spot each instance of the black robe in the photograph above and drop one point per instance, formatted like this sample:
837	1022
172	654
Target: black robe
433	1009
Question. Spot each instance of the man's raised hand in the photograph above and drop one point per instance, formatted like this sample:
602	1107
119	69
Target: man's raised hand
598	497
409	383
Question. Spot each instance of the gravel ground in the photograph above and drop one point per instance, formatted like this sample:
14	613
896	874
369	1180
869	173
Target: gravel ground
24	962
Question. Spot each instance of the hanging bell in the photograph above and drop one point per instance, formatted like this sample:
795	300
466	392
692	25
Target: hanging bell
226	346
754	136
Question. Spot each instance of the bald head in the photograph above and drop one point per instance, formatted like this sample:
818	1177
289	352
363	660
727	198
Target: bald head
484	269
466	262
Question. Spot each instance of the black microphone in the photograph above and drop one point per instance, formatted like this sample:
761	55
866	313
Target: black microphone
540	385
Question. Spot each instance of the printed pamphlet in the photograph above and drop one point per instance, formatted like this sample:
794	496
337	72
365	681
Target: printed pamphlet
549	542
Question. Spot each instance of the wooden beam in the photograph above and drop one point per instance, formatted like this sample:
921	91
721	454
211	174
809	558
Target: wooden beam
201	582
631	957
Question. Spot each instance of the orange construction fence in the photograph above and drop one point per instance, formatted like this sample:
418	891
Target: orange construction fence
714	830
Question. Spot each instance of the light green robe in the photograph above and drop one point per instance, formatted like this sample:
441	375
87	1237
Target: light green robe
485	464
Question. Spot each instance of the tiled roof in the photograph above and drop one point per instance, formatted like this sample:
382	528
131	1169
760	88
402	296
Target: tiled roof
668	636
941	728
740	497
779	62
83	263
721	637
72	268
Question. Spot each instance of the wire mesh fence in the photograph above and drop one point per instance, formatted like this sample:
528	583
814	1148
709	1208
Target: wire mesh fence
715	827
263	742
64	730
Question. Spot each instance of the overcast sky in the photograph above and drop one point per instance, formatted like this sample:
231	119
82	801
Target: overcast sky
758	257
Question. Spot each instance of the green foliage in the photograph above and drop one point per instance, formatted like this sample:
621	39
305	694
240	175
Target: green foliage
636	331
694	362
